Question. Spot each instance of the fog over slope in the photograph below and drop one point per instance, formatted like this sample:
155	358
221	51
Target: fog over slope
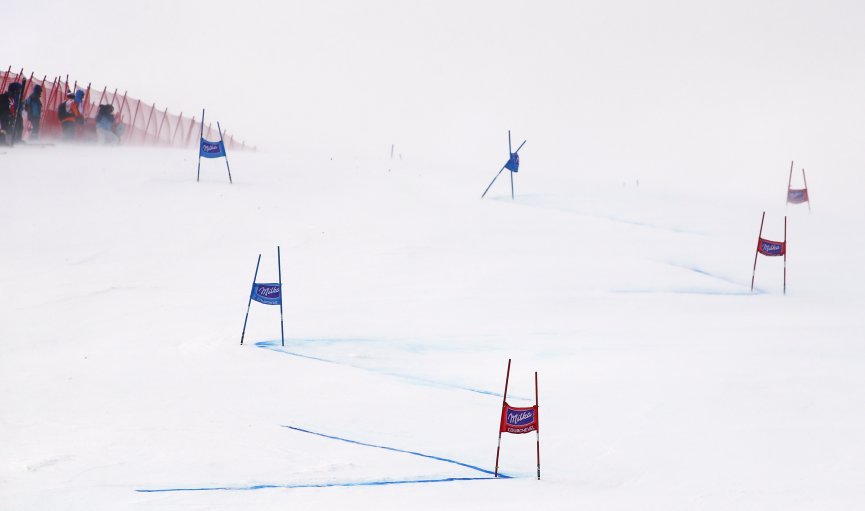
689	88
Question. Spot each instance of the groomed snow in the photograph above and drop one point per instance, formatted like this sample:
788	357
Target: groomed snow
664	383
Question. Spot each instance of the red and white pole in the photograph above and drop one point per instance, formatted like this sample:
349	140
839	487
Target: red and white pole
757	252
806	190
538	430
504	400
785	254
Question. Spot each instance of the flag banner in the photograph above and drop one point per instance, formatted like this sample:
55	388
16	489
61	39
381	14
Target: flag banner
268	294
771	248
519	420
513	163
212	149
797	196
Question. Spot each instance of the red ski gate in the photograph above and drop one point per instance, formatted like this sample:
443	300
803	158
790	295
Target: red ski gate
519	420
798	195
770	248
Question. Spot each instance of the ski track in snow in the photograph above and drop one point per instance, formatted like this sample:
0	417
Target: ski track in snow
274	346
317	485
541	201
384	482
394	449
740	291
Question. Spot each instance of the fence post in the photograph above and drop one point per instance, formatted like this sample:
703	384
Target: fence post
49	100
104	90
5	77
147	126
122	104
189	132
159	129
176	129
88	106
134	118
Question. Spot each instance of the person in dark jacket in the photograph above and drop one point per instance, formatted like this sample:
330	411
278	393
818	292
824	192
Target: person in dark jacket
8	107
106	126
6	117
69	115
33	107
15	92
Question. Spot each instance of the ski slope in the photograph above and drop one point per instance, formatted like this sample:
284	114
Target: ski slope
664	382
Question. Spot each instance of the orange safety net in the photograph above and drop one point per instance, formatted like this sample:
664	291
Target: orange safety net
143	124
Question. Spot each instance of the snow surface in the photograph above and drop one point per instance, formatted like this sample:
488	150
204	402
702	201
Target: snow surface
664	383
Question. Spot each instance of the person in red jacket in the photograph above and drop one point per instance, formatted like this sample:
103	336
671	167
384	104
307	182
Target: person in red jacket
69	116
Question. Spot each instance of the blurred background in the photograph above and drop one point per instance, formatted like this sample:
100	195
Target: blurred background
718	89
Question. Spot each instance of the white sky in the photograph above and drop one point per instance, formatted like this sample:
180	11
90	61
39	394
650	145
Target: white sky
600	85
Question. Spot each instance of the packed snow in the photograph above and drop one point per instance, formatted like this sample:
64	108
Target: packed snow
657	135
664	382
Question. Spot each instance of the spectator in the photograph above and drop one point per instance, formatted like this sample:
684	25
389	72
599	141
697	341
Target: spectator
107	128
33	107
69	115
6	116
7	112
15	92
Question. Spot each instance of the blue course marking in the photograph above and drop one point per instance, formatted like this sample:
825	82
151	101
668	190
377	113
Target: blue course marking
317	485
394	449
686	292
384	482
608	217
274	346
739	290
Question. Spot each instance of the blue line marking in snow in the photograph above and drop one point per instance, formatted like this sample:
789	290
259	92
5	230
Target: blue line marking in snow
739	291
384	482
686	292
531	201
394	449
272	345
317	485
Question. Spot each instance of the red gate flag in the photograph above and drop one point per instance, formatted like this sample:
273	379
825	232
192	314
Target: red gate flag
797	195
519	420
771	248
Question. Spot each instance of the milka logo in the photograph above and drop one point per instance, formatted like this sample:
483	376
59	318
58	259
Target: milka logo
211	148
519	418
268	291
797	196
771	247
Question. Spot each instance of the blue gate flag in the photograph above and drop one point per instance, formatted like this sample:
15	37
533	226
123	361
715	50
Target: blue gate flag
212	149
513	163
268	294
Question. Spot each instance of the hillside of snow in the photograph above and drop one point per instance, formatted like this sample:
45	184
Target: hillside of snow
664	382
657	135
